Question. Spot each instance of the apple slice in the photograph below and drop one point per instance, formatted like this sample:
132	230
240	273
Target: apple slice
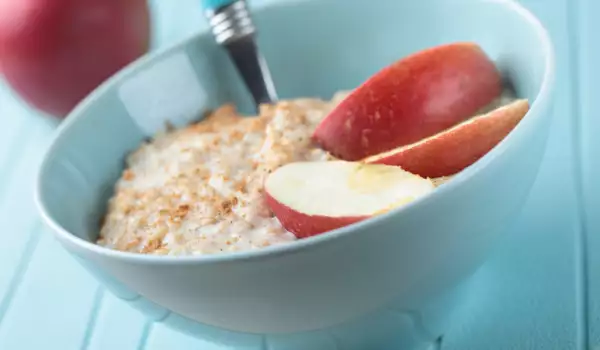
452	150
413	98
310	198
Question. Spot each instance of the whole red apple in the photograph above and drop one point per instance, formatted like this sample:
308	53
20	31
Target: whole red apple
54	52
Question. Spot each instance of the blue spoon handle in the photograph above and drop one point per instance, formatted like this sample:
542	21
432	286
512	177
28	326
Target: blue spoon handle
213	5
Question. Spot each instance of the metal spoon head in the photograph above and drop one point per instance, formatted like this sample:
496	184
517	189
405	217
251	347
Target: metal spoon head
252	66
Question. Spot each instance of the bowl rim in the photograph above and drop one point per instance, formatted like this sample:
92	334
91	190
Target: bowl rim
73	241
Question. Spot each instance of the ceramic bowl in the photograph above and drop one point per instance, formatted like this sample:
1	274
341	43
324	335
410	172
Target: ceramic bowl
387	282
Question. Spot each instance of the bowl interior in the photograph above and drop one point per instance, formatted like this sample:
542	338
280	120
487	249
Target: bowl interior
314	48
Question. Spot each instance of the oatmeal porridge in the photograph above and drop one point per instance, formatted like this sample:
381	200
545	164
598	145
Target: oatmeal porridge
198	190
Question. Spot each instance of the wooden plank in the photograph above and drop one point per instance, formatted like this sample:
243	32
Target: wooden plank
17	212
524	297
587	73
53	303
118	326
16	205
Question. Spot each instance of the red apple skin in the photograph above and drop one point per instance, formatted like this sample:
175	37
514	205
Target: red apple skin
303	225
453	150
54	52
414	98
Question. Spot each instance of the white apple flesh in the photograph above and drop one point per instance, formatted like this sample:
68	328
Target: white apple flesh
311	198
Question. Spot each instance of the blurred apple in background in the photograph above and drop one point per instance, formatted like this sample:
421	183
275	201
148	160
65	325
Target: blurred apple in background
54	52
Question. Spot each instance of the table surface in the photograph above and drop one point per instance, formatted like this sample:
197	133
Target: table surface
540	289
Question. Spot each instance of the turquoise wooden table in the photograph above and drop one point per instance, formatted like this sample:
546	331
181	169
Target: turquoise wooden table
540	289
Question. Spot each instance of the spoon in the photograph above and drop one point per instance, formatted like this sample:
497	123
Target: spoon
234	30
